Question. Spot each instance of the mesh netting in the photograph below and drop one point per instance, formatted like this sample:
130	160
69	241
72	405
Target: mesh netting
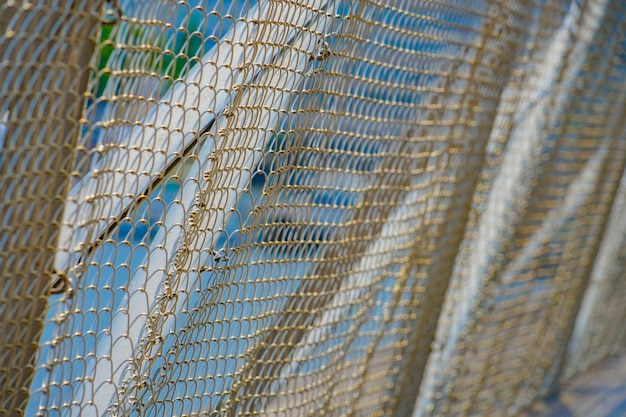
597	332
44	56
321	207
541	216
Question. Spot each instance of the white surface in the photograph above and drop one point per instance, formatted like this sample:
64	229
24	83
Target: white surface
128	331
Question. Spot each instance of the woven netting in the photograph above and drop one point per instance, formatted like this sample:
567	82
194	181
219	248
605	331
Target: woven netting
314	207
598	332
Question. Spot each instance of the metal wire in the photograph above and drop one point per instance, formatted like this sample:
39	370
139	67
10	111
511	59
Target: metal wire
321	207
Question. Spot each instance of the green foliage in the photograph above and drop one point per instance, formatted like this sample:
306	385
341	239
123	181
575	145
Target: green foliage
171	54
106	47
180	52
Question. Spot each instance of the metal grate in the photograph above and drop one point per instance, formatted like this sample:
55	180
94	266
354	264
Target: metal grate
307	207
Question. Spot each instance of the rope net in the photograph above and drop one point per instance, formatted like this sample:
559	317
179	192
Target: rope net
321	207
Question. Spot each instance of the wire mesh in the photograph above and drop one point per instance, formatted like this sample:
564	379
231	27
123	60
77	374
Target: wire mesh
256	208
597	333
44	51
526	261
